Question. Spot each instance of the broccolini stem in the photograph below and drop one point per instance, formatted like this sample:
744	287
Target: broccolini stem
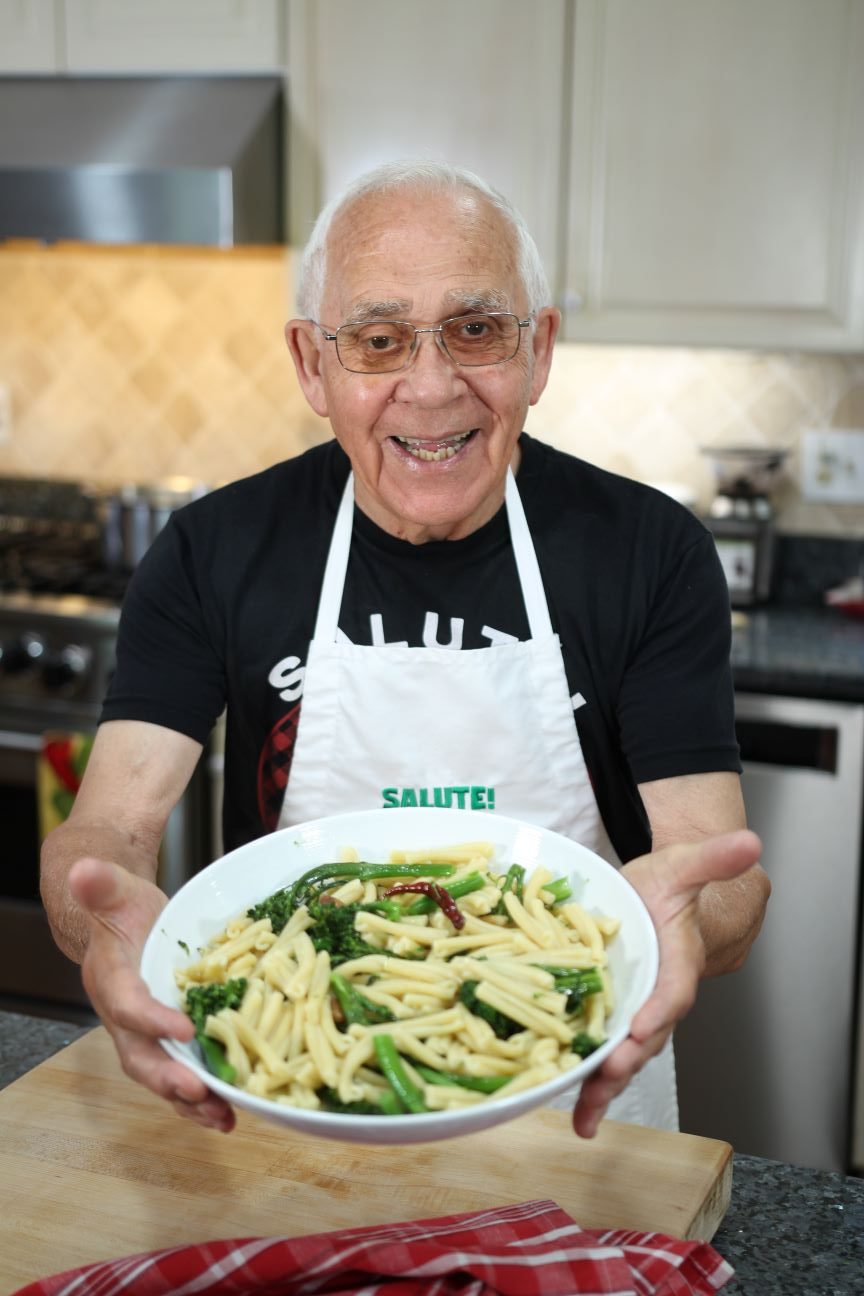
365	872
356	1008
512	882
389	1103
560	890
464	886
480	1084
214	1058
395	1074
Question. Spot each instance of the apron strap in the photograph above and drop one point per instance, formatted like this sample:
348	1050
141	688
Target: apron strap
533	594
330	600
527	566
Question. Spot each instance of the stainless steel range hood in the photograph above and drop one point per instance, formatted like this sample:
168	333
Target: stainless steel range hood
189	160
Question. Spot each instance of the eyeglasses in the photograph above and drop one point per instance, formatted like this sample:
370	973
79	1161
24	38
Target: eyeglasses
383	346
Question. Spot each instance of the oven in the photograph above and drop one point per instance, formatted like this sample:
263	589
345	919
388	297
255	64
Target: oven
59	610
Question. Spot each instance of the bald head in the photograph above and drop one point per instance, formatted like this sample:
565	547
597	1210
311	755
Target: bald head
377	193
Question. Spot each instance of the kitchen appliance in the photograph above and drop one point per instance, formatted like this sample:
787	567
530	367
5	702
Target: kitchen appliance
59	610
765	1058
132	515
142	159
741	517
93	1166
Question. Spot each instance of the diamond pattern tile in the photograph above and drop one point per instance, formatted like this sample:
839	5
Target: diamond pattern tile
133	364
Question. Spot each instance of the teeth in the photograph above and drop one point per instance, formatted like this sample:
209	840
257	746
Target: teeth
446	450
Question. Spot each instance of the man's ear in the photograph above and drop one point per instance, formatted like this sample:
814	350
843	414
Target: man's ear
305	346
545	331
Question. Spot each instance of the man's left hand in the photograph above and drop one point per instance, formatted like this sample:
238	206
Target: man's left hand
670	882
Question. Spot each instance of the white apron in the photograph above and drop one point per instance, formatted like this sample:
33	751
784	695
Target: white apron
484	728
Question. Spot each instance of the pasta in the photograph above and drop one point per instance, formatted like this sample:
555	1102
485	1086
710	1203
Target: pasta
369	989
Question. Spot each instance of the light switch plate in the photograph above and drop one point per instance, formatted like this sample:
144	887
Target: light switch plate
832	465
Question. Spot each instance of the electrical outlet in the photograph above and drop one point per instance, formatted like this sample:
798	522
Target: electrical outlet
832	465
5	412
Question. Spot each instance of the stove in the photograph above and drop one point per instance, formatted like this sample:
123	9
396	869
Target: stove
59	606
59	611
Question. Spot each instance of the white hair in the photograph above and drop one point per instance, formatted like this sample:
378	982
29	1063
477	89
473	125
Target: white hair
428	177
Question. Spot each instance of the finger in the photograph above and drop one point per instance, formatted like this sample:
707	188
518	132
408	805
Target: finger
681	960
146	1062
714	859
209	1114
121	999
612	1079
105	891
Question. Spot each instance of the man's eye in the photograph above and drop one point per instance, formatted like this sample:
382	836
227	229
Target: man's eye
475	328
381	341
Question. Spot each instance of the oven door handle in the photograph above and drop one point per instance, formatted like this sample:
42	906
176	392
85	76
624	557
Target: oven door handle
20	742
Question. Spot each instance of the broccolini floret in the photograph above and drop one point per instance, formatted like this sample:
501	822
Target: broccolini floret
202	1001
502	1025
584	1044
334	931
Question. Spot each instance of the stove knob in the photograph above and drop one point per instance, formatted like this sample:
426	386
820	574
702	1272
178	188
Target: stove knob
22	654
65	667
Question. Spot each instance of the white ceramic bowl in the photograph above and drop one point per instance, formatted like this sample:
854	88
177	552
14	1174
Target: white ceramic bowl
232	884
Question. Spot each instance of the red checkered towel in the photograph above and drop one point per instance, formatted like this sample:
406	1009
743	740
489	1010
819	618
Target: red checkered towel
533	1249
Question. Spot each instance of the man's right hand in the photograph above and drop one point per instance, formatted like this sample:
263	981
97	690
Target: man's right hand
121	909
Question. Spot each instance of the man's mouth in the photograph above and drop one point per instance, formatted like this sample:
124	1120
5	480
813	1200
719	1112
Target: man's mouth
435	451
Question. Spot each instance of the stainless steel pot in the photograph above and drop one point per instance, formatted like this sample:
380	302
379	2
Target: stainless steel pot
132	515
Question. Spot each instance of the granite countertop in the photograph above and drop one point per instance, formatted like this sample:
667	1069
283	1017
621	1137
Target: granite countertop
788	1231
800	652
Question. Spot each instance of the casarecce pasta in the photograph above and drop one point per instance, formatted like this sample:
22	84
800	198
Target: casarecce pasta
429	982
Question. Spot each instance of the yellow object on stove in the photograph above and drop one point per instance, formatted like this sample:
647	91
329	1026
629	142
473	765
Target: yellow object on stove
61	765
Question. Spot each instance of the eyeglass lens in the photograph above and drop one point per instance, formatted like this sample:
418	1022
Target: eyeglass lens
381	346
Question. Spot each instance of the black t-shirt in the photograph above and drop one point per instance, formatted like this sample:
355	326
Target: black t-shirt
221	610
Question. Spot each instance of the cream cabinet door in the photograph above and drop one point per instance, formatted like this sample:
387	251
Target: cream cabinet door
172	35
28	36
716	187
480	84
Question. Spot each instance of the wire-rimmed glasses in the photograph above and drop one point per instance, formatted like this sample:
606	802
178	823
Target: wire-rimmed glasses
383	346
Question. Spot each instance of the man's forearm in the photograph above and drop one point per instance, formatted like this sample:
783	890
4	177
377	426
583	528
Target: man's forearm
60	850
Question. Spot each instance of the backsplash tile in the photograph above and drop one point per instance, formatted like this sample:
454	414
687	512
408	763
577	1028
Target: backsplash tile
129	365
133	364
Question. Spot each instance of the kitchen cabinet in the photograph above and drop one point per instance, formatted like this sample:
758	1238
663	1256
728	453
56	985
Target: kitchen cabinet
28	36
693	170
716	178
479	84
127	36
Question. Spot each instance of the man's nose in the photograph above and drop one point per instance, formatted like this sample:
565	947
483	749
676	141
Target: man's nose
430	376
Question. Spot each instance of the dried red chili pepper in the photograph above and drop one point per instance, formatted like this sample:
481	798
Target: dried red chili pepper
442	898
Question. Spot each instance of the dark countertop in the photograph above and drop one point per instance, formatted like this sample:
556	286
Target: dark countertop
788	1231
800	652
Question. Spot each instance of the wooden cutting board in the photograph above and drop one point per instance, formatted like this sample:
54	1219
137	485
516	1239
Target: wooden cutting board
92	1166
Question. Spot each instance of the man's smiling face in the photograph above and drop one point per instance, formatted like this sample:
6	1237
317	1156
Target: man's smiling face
431	443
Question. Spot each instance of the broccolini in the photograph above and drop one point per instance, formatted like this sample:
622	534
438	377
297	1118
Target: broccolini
502	1025
202	1001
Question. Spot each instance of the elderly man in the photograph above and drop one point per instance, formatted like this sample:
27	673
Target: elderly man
457	605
